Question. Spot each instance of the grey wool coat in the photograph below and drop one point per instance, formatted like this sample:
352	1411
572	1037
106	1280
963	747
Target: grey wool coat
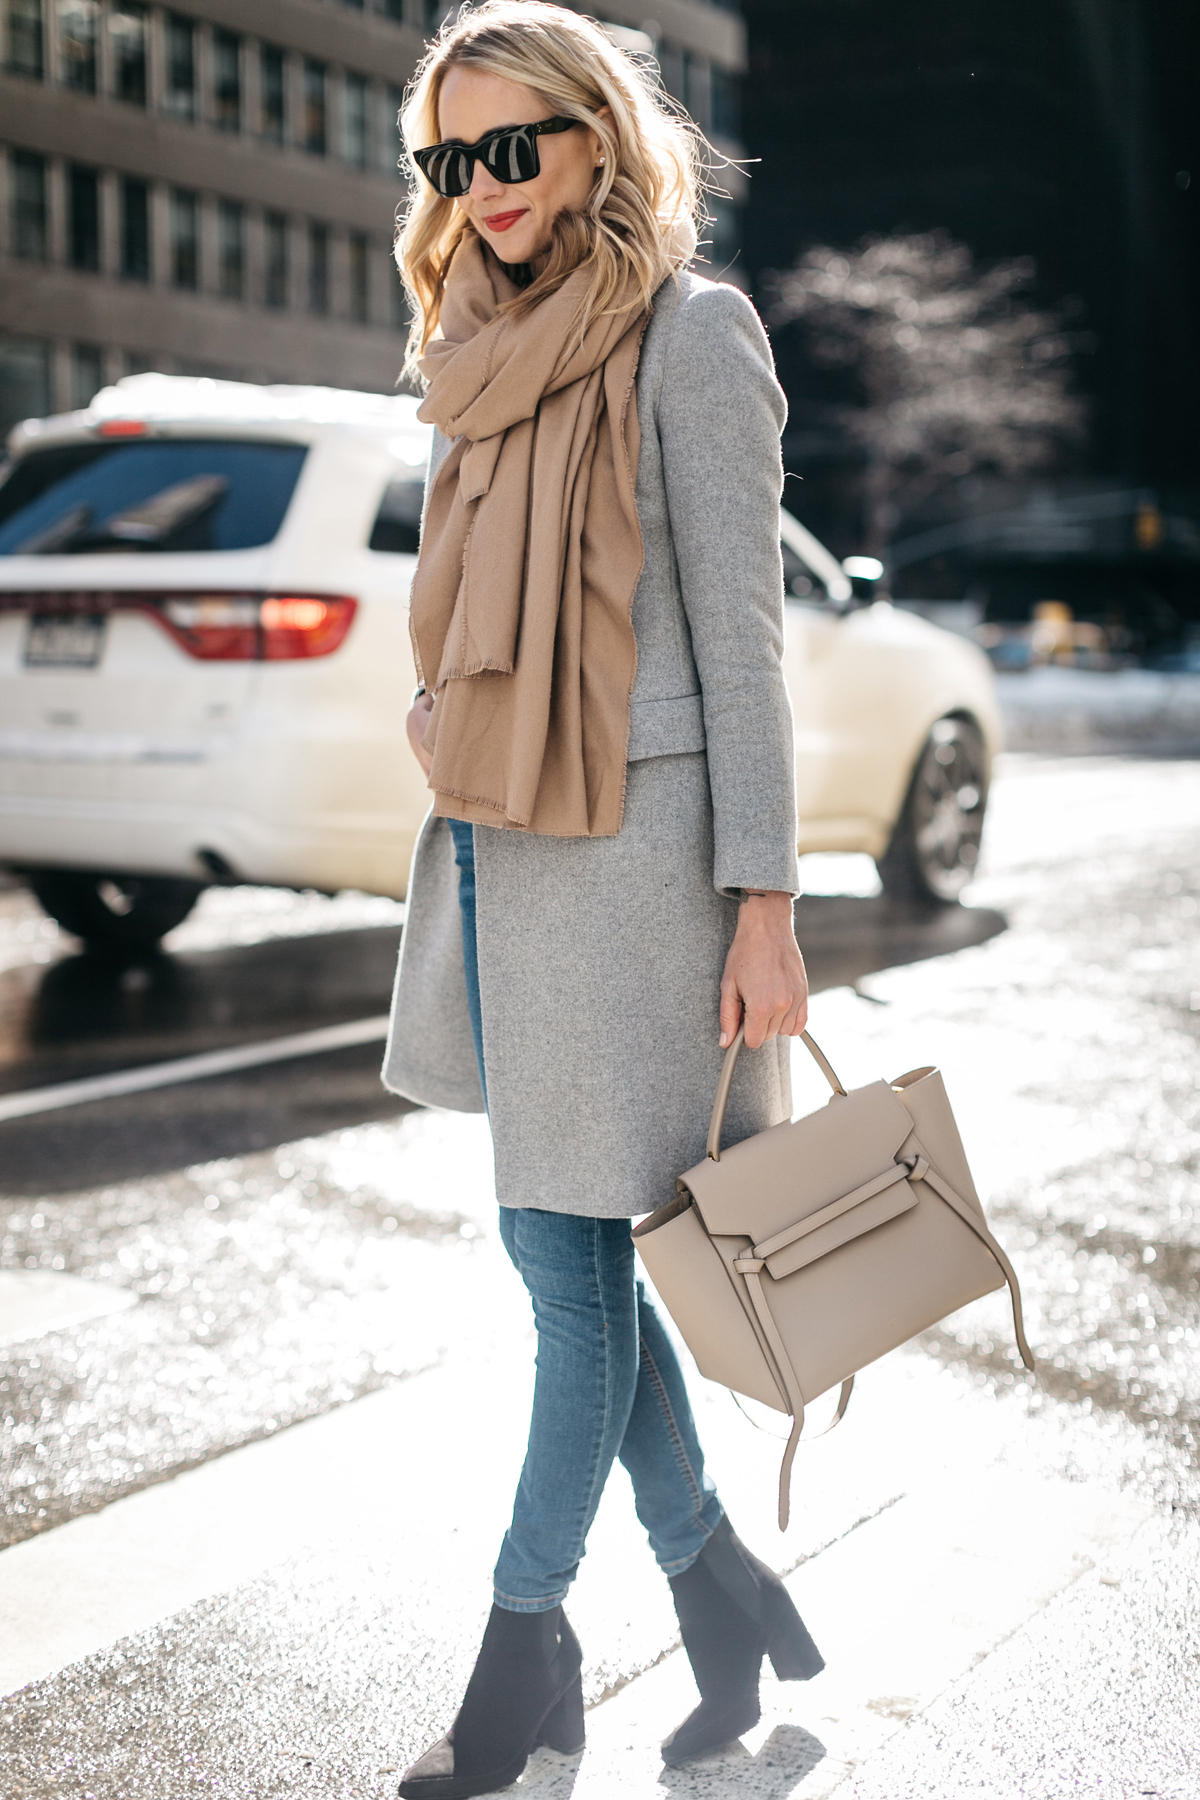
600	958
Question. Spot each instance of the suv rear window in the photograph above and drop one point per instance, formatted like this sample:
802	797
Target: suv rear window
397	524
165	494
796	577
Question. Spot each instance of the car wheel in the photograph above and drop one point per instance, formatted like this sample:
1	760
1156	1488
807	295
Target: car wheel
935	843
115	912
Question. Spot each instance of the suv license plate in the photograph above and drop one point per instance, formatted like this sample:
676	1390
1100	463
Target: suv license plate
70	641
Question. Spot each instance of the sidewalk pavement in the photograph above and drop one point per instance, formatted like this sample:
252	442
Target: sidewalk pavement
1003	1576
299	1616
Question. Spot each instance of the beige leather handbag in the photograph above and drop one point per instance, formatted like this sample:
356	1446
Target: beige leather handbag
793	1259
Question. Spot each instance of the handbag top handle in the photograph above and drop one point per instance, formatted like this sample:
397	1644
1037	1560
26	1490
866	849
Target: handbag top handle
717	1123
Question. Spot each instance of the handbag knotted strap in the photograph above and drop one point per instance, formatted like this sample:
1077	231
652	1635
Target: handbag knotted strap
970	1217
917	1167
750	1269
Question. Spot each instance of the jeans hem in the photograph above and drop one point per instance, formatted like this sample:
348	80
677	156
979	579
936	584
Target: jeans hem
682	1563
509	1602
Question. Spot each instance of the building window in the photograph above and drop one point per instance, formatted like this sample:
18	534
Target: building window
135	229
360	277
389	137
697	89
185	239
397	299
356	120
29	205
127	35
87	374
180	97
275	260
77	25
227	80
83	218
318	268
272	113
670	63
315	108
24	53
726	105
231	249
24	379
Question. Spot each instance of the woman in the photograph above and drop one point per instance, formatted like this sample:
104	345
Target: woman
603	890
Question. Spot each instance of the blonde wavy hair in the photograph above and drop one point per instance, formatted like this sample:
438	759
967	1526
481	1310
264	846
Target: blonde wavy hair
643	213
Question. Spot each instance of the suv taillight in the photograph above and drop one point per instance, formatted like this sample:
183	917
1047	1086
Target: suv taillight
218	627
261	628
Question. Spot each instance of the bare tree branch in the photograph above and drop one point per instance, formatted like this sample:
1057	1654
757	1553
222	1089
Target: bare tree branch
955	374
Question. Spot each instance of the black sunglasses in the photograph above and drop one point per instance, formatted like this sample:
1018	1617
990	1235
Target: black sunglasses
510	154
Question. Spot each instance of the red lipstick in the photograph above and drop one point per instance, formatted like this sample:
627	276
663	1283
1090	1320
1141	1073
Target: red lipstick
502	221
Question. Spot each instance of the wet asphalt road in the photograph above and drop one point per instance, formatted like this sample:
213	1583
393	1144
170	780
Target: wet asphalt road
280	1262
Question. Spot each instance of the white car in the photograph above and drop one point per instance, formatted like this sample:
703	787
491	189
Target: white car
205	664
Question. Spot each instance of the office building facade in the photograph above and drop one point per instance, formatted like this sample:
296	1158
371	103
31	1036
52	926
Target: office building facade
211	188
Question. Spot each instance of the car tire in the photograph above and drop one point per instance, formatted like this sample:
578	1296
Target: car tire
115	912
935	843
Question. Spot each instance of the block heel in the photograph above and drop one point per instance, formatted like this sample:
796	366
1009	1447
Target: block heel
562	1729
732	1611
794	1656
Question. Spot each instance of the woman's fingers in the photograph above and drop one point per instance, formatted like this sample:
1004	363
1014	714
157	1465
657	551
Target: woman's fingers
783	1013
416	724
731	1008
796	1019
764	985
763	1023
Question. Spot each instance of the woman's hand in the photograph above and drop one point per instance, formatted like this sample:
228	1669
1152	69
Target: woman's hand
764	985
416	725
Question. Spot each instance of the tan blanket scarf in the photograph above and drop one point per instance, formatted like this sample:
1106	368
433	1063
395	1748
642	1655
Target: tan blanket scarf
530	554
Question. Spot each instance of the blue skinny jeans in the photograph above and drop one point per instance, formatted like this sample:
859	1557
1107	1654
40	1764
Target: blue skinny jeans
464	856
608	1382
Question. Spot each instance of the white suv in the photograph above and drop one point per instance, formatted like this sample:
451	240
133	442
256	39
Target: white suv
205	663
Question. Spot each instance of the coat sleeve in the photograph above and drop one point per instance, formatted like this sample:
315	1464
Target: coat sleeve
720	415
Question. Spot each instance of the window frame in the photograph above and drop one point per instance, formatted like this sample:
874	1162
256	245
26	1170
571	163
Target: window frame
226	80
33	164
183	238
120	60
83	244
179	101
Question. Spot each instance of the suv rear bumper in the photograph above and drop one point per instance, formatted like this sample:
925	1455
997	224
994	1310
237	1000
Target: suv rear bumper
143	839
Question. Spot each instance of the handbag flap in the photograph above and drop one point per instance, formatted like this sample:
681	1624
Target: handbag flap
771	1180
895	1199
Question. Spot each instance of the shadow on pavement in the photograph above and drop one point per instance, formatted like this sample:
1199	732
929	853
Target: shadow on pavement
782	1763
845	939
87	1015
91	1013
113	1141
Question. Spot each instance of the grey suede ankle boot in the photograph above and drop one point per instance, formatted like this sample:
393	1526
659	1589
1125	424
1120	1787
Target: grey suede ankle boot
525	1690
732	1611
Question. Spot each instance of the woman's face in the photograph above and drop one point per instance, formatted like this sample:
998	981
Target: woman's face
516	219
